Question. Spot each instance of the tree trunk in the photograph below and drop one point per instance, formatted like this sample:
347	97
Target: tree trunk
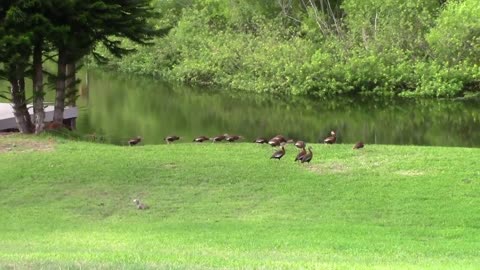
38	94
20	111
70	84
60	87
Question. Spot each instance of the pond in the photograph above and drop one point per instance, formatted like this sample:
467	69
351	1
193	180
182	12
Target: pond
118	107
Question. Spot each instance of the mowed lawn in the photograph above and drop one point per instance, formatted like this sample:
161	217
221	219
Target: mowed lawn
68	205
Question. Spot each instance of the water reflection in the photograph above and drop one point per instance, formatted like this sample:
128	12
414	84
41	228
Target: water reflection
119	106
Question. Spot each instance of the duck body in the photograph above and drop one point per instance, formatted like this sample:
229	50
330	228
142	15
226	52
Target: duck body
170	139
300	144
301	154
274	142
219	138
233	138
308	156
140	206
331	139
201	139
134	141
261	140
278	154
279	138
358	145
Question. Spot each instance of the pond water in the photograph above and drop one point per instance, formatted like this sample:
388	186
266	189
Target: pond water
118	107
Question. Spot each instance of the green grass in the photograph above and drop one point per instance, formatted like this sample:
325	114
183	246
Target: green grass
68	205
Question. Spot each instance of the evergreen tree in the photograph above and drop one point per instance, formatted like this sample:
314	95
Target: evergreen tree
40	27
15	49
80	25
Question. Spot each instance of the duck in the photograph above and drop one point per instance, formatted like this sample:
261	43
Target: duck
134	141
301	154
279	154
307	157
280	138
274	142
233	138
170	139
219	138
261	140
201	139
331	139
358	145
140	206
300	144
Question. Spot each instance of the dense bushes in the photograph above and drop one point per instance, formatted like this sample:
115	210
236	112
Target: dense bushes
413	48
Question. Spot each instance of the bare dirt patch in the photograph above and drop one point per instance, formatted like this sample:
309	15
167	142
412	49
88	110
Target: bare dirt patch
9	143
331	168
410	172
170	166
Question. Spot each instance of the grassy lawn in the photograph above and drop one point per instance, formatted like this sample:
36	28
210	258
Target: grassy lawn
67	204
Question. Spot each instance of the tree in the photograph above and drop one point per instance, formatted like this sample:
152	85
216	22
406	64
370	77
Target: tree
80	25
15	49
40	27
456	36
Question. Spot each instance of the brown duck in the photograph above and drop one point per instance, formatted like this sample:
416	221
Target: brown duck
280	138
300	144
201	139
274	142
301	154
307	157
233	138
278	154
331	139
358	145
170	139
261	140
134	141
219	138
140	206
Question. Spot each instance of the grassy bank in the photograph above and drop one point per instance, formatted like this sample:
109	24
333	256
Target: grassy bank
69	205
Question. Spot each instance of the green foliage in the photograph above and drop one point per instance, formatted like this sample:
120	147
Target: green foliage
384	24
456	37
325	48
439	80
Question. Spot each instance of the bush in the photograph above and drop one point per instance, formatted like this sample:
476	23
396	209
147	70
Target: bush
386	48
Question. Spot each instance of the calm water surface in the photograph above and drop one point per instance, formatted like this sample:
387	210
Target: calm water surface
119	106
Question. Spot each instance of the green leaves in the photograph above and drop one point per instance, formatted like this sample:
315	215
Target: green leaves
411	48
456	36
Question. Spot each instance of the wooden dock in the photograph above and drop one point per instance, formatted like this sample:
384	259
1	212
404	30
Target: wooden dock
7	119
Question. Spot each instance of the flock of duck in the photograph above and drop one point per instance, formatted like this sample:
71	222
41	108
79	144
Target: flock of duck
277	141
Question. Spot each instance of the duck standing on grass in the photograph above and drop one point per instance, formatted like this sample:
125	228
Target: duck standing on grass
307	157
219	138
358	145
300	144
140	206
134	141
170	139
201	139
233	138
301	154
280	153
261	140
331	139
274	142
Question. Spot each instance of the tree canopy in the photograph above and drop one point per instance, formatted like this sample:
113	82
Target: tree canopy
29	29
319	47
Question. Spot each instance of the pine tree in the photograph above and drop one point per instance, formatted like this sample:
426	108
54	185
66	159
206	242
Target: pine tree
79	25
15	49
